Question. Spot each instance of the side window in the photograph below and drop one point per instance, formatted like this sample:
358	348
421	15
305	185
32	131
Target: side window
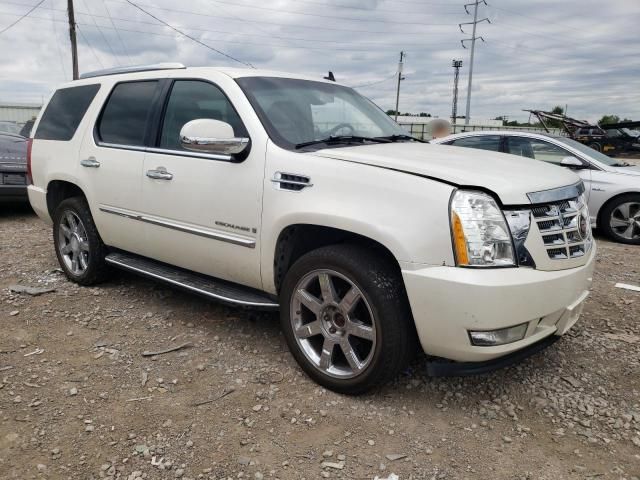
126	115
65	111
537	149
193	99
488	142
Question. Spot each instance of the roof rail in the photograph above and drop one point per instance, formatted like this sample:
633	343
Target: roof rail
132	69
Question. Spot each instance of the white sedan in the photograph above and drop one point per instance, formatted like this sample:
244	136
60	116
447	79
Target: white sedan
612	186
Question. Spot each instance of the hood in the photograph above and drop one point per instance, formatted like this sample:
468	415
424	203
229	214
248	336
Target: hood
510	177
13	150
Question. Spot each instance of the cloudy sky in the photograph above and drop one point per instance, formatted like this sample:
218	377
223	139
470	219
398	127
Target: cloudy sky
537	53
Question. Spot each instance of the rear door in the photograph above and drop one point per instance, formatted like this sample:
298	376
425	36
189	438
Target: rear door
112	160
204	212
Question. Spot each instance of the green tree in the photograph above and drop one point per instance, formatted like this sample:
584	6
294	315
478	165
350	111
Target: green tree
609	119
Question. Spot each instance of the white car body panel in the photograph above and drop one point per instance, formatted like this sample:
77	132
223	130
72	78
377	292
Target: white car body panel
602	182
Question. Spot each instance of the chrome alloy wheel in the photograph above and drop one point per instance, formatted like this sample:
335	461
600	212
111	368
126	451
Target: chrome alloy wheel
333	324
73	244
625	220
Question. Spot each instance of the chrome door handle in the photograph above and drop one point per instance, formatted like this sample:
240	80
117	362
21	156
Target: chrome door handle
159	174
90	162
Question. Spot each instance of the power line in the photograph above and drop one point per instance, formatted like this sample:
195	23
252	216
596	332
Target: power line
305	27
124	48
55	35
333	17
22	17
365	47
382	10
106	41
377	82
89	45
189	36
266	33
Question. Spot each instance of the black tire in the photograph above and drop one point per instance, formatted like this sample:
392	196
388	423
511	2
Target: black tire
96	270
379	280
604	221
595	146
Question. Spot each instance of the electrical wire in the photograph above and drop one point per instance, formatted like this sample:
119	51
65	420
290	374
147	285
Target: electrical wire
395	75
124	48
22	17
89	45
333	17
104	37
305	27
381	10
55	34
362	47
186	35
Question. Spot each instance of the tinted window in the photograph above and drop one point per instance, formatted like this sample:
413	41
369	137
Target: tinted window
537	149
489	142
65	111
190	100
126	115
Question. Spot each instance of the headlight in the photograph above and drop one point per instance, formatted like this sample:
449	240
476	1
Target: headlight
481	237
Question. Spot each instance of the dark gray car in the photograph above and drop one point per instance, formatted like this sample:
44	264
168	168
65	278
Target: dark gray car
13	168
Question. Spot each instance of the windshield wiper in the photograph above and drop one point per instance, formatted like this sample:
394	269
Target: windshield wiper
623	164
398	137
341	139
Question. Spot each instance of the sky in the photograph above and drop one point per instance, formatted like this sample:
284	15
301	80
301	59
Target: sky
536	53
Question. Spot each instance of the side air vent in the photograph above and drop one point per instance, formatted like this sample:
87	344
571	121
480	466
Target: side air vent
291	181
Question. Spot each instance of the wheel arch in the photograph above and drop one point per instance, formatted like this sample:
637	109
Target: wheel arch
297	239
606	204
59	190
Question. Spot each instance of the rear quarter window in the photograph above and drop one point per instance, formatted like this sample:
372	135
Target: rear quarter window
65	111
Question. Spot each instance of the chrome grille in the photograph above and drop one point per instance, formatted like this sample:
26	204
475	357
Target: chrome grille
565	228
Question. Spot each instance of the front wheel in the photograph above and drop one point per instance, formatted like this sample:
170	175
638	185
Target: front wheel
346	318
621	219
78	245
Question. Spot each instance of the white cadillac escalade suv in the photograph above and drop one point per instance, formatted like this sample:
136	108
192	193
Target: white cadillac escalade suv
275	191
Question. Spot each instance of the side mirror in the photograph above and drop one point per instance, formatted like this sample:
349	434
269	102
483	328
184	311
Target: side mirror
205	135
571	162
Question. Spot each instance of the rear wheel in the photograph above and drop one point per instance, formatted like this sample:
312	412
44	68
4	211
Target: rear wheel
346	318
78	245
620	219
595	146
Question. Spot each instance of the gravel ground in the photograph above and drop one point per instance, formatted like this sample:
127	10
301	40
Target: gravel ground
79	400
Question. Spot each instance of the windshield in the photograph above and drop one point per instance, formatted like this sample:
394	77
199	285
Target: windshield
298	111
596	155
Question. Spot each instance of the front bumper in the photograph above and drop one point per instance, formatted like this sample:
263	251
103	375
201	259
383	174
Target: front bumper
447	302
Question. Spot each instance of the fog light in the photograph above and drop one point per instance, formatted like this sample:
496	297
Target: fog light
492	338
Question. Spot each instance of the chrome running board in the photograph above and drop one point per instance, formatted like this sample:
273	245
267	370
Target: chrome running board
213	288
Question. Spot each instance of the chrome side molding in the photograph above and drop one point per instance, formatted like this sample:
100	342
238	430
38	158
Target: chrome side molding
207	233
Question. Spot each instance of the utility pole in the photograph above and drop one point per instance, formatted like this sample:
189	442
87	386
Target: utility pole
400	78
456	64
72	37
473	48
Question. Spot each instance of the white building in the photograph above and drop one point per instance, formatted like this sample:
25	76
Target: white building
18	112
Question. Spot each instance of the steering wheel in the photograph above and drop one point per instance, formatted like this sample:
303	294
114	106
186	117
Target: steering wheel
339	127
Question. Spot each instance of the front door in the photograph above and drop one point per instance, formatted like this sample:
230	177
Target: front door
112	160
202	211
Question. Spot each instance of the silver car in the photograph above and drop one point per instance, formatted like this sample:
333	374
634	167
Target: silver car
612	186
